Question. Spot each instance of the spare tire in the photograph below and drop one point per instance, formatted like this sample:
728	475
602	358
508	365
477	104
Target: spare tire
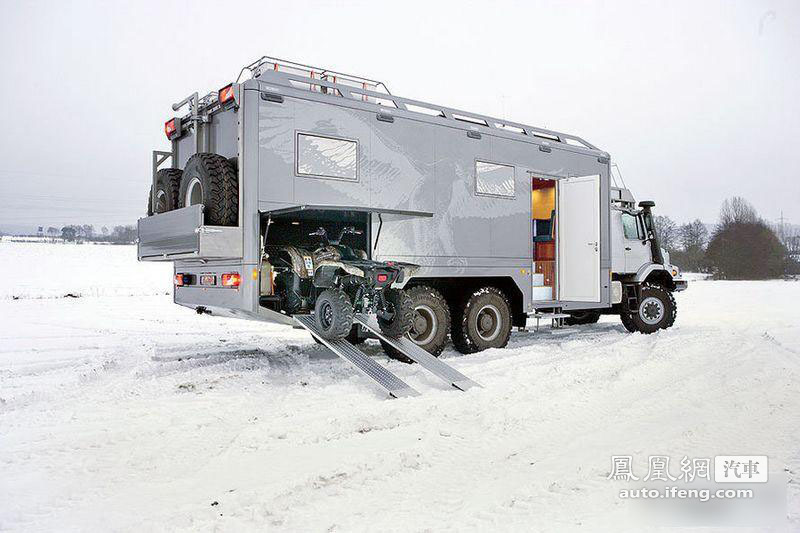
168	184
211	180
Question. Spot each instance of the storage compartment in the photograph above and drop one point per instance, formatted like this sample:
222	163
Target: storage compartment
181	234
290	242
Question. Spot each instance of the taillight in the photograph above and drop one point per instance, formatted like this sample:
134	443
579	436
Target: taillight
171	127
383	278
232	279
179	280
226	94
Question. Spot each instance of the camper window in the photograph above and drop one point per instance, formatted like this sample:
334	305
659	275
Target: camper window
494	179
327	157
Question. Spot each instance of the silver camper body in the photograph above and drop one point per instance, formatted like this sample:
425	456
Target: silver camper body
448	190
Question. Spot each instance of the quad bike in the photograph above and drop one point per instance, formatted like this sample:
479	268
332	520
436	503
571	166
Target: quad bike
336	281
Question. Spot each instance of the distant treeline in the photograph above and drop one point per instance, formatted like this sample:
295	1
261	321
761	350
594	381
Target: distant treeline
86	232
742	245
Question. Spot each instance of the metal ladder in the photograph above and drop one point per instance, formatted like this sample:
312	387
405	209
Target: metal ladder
386	380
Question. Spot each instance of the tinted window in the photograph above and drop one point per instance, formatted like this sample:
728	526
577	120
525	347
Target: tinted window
630	226
326	157
494	179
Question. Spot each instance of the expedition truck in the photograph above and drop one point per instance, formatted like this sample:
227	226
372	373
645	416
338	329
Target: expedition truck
316	199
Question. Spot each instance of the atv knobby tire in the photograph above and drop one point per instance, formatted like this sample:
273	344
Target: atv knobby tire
430	323
400	304
333	314
218	186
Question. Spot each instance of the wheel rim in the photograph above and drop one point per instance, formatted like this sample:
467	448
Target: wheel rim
326	315
487	322
194	192
424	325
651	310
161	201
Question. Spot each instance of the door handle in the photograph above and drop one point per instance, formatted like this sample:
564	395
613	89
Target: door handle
628	248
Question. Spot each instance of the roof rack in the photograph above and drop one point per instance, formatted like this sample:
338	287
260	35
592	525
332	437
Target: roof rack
267	63
326	81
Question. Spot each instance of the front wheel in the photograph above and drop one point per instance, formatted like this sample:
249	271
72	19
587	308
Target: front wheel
333	314
657	310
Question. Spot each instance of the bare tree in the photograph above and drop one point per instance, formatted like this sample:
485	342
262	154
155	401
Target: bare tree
667	232
737	210
693	236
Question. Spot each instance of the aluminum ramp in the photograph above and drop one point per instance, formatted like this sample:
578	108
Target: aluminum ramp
396	387
430	363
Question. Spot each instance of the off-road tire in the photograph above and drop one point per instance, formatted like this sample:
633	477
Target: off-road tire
657	310
627	321
219	185
333	314
168	181
489	306
403	308
430	300
579	318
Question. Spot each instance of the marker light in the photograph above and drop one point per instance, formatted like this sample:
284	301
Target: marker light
232	279
170	128
225	94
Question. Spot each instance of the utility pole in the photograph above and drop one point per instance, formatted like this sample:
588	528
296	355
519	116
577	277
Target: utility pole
782	234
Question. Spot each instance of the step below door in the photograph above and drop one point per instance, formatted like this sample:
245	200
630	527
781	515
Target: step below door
579	239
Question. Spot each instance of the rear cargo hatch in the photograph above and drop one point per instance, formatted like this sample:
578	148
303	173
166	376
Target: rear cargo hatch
181	234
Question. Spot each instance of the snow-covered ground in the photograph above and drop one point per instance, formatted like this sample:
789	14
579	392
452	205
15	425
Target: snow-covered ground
120	410
46	270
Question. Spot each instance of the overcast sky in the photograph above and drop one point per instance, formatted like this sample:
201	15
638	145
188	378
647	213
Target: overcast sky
696	101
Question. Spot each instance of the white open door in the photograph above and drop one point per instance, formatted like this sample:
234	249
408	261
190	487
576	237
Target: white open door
578	234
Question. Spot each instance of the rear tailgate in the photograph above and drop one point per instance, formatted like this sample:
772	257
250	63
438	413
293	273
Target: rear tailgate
180	234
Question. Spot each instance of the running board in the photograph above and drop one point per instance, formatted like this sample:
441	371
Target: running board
396	387
430	363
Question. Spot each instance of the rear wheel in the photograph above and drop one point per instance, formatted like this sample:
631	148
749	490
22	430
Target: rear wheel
430	323
400	305
211	180
333	314
657	310
168	184
483	321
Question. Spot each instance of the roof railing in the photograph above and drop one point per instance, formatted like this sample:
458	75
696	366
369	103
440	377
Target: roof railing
326	81
267	63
